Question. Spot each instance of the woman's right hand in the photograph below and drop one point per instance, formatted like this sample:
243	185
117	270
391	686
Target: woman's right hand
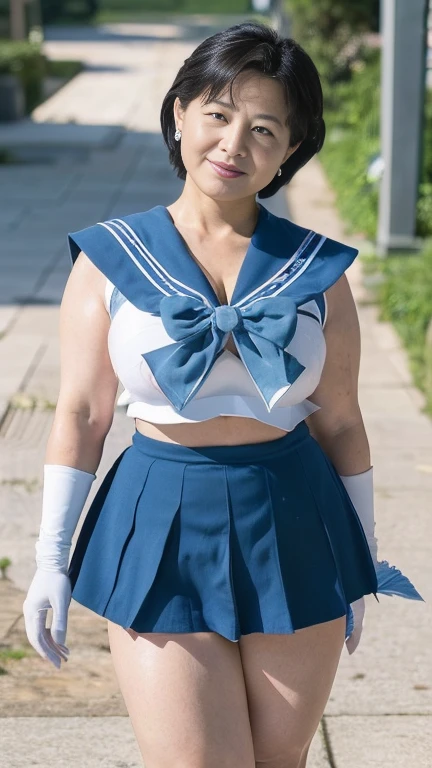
48	589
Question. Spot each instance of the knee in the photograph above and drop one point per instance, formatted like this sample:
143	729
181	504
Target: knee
279	763
288	758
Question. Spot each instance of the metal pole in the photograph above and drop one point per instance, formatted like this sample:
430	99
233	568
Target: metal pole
403	77
279	17
17	20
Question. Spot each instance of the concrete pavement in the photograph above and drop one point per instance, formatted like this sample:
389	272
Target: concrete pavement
379	712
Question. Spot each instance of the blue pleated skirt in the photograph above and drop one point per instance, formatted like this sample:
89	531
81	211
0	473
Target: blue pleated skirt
231	539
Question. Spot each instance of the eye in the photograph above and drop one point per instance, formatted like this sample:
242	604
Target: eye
258	126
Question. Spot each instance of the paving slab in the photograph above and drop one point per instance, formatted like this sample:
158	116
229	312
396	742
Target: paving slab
387	742
390	672
66	743
8	313
78	741
28	133
18	354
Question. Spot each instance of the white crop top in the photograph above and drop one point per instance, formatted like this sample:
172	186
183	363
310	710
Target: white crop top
228	390
168	328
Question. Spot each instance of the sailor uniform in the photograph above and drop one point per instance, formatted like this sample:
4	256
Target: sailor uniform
231	539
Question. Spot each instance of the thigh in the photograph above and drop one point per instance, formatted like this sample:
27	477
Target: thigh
186	698
288	682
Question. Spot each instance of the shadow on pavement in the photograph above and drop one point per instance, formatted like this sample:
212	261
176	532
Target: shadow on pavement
194	28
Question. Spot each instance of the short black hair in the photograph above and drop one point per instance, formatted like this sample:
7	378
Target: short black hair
255	46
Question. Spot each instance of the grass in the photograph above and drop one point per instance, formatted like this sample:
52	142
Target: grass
12	653
30	485
6	654
403	293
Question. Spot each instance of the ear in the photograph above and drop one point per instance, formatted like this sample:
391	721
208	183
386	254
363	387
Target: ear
178	113
290	151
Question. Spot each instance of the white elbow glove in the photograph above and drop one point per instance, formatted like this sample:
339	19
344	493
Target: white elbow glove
360	490
65	492
391	581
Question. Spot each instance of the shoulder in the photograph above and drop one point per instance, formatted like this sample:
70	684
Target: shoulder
341	312
333	255
113	250
102	238
87	281
313	265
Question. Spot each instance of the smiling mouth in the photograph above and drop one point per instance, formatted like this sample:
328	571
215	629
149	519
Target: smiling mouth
226	171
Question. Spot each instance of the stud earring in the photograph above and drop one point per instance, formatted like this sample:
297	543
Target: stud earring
279	173
177	135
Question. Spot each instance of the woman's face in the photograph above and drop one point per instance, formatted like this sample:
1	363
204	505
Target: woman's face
238	136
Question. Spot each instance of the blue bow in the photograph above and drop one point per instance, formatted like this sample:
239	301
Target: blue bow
261	331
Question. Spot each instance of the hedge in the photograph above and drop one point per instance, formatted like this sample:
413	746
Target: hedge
28	63
332	32
353	142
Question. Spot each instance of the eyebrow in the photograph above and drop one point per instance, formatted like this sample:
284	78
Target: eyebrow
261	116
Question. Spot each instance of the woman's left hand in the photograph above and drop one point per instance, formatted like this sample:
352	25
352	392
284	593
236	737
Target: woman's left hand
358	607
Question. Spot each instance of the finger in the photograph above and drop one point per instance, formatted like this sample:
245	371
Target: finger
59	646
59	627
32	624
41	635
55	647
50	654
60	606
43	648
35	624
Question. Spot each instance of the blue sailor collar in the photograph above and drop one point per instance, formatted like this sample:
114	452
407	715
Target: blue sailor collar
146	258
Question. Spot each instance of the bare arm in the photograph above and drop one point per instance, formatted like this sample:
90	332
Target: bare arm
338	426
88	383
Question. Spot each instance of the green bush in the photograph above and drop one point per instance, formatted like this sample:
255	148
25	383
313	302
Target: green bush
332	33
215	6
350	73
117	10
331	30
325	27
405	299
141	6
52	10
352	114
27	62
424	206
352	142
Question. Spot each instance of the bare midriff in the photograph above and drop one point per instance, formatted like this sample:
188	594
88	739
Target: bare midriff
222	430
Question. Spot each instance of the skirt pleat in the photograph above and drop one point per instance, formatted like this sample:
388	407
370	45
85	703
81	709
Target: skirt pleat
230	539
108	527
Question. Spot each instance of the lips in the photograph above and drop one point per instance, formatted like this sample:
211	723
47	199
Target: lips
227	167
225	172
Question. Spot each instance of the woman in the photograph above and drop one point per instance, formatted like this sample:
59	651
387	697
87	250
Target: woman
231	545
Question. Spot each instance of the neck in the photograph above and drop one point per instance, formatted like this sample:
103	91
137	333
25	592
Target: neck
215	218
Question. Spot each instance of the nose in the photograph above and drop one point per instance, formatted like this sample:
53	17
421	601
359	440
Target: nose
234	138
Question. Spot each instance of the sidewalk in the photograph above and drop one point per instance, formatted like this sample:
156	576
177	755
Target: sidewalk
379	712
